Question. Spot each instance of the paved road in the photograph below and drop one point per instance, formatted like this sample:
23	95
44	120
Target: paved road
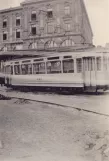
32	131
96	103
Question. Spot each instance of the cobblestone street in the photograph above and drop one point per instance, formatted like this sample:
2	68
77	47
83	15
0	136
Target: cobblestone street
41	132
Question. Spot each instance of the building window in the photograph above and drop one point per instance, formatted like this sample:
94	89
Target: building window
50	13
50	44
18	21
58	30
41	23
67	10
33	29
40	44
33	45
68	27
67	43
33	16
17	34
4	36
58	21
50	28
4	23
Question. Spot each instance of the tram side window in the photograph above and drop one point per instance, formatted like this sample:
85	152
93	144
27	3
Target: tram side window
105	63
92	65
54	67
79	65
17	69
26	69
9	69
108	63
12	70
39	68
29	66
89	64
98	61
68	66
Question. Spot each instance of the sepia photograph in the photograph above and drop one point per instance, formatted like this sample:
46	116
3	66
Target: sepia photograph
54	80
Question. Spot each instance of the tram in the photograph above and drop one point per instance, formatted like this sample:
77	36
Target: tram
75	71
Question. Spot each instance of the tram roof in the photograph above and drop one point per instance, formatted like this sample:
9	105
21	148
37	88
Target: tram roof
5	55
33	53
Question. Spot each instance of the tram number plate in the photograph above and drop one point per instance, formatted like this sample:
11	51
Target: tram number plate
39	79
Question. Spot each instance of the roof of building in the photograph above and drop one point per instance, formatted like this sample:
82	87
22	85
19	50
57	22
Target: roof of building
33	1
10	9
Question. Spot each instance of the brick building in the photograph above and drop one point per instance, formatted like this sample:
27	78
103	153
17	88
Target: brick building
45	25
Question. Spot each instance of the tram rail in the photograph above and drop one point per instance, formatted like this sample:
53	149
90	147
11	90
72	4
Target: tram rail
4	95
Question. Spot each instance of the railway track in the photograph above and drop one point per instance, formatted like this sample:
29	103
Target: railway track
9	95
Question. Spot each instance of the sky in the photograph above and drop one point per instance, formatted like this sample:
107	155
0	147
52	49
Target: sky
98	12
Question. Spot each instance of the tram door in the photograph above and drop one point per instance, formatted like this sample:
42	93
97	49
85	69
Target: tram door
9	72
89	72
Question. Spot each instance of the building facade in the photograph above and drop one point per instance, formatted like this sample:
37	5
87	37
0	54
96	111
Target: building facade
45	25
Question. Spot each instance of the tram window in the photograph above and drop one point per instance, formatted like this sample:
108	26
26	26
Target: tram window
52	58
108	63
79	65
16	62
12	70
98	60
68	66
9	69
67	57
92	65
53	67
38	60
39	68
26	61
17	69
26	69
29	68
105	63
6	70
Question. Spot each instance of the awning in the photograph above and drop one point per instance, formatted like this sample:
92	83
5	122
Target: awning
6	55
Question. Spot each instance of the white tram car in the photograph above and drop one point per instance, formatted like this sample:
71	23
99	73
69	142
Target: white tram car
86	71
